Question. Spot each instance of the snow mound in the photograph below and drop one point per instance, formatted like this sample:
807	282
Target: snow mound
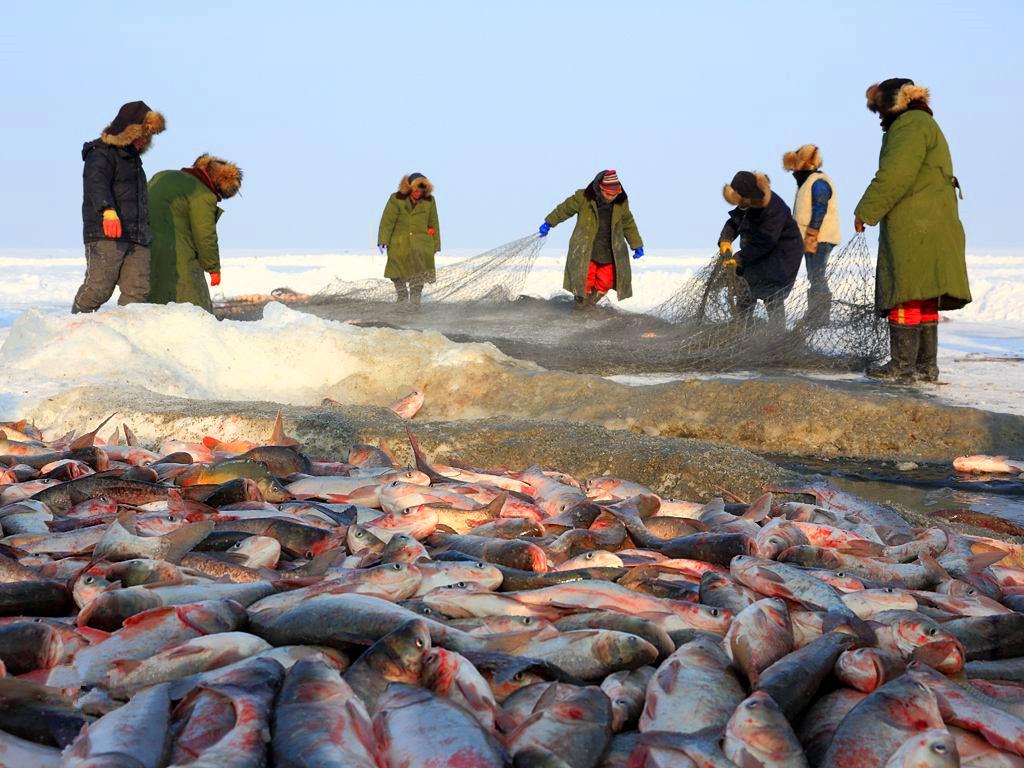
179	350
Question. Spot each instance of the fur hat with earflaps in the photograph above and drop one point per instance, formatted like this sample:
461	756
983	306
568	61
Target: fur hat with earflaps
893	96
748	190
806	158
226	177
134	121
417	180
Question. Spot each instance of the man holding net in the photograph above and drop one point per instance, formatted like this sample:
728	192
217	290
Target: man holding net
598	261
410	233
771	247
922	266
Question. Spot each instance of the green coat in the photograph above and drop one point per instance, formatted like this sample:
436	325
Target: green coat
583	205
412	235
183	214
921	249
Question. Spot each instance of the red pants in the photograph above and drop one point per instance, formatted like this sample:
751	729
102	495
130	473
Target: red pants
600	277
915	312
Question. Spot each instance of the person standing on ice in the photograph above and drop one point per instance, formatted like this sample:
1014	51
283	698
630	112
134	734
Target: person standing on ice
115	209
598	261
922	266
184	213
816	211
771	247
410	233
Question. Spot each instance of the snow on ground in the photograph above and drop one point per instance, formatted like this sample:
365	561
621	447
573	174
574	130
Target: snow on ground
182	351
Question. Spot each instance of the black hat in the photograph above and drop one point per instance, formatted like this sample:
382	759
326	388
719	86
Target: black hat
134	120
414	176
745	184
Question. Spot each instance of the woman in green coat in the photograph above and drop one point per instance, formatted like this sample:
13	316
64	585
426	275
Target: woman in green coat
921	250
410	234
598	260
183	214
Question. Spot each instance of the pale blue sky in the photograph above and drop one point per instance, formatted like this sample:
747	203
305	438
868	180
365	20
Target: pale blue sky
507	107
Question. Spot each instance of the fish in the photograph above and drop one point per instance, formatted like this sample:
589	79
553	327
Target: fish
575	729
397	657
868	669
136	734
759	734
990	465
758	636
793	680
319	720
932	749
627	691
452	675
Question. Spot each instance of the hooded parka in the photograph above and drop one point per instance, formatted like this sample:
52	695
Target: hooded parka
921	247
411	232
184	214
584	205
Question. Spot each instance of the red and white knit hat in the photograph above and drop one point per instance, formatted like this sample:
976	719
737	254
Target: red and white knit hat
610	183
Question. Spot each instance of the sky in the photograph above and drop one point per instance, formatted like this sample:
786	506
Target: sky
508	108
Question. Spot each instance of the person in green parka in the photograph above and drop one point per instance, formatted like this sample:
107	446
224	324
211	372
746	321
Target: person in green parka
410	233
922	266
598	261
183	214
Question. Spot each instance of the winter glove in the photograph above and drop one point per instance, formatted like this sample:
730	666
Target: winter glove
544	229
811	241
214	279
381	248
725	251
638	252
858	224
111	224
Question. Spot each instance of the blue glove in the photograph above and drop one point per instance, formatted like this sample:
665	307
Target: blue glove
638	252
381	248
544	229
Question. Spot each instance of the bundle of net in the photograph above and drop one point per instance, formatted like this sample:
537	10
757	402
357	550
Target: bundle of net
498	275
827	325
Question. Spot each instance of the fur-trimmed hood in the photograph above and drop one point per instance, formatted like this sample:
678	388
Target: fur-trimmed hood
806	158
134	121
405	187
732	197
885	102
225	177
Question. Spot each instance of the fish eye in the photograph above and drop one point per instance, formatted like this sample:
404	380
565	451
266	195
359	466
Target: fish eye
427	611
359	534
518	677
481	566
752	704
931	632
940	749
172	519
88	580
622	702
841	574
589	556
419	643
309	554
396	567
890	590
714	611
527	620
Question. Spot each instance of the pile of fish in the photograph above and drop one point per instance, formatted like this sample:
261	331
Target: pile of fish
230	604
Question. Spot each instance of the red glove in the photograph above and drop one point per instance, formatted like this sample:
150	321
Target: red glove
111	224
215	279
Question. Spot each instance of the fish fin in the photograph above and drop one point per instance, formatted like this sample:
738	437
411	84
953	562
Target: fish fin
838	621
211	442
89	438
129	436
153	615
183	652
760	509
92	634
496	504
423	465
862	548
279	437
125	666
115	437
767	575
935	571
178	543
126	519
386	450
984	555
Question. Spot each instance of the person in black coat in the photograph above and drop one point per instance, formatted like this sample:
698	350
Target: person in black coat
771	248
115	209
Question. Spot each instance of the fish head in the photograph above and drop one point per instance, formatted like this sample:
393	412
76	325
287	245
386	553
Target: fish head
360	540
272	490
760	724
709	618
772	540
87	587
213	616
935	748
255	552
410	476
403	548
396	580
862	668
945	654
440	668
621	650
159	523
398	656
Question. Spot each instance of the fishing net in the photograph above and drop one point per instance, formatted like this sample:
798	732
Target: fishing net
710	324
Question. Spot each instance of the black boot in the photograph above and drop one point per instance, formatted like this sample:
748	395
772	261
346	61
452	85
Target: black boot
903	346
927	368
401	290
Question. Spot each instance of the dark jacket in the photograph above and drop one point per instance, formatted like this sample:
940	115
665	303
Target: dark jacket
583	205
771	248
113	178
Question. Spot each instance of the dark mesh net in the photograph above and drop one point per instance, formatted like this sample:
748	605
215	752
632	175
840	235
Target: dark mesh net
710	324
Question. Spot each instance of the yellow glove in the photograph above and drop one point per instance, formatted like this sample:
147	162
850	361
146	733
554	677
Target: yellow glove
724	247
111	224
725	251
